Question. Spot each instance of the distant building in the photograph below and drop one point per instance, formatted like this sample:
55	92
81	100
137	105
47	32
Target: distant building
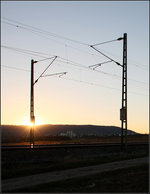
70	134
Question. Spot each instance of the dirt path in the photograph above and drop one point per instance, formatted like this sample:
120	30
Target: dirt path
32	180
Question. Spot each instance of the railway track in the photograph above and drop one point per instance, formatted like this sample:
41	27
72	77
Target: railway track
72	145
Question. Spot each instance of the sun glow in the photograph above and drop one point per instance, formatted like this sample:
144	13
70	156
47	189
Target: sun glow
28	123
31	124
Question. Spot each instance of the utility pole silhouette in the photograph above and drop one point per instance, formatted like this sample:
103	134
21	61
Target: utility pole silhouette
32	117
123	110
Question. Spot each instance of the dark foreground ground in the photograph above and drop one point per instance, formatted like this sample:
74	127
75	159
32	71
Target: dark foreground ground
24	162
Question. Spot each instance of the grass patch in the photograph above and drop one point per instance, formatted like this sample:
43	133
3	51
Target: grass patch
14	169
133	180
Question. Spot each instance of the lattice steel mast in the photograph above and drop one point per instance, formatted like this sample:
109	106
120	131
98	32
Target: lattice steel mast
123	110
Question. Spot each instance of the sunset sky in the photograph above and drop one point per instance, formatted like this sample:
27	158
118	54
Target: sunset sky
65	29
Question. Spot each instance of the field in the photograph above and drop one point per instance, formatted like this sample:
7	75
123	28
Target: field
25	162
83	140
127	180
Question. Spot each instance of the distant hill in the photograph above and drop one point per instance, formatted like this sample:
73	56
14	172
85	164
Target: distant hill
14	132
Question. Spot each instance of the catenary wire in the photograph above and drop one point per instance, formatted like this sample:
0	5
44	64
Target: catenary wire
143	67
43	31
70	62
16	68
58	42
76	80
38	30
99	85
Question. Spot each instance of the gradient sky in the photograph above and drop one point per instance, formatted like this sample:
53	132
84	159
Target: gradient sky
62	100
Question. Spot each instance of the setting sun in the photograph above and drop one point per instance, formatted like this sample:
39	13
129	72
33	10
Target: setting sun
27	122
